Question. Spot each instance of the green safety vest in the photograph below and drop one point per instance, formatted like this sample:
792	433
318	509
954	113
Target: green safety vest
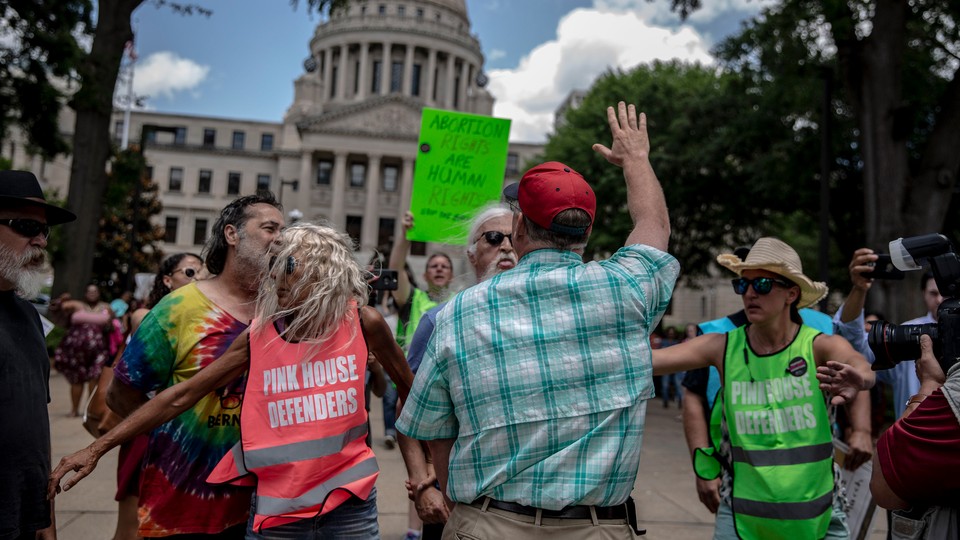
420	303
781	451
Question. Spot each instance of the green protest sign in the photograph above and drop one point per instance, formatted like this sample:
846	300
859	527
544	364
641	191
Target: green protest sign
460	166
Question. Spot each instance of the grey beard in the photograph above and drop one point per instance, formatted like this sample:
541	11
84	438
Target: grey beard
492	268
24	271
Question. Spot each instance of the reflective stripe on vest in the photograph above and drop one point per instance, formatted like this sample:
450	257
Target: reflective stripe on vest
782	456
780	439
783	511
275	506
317	448
303	424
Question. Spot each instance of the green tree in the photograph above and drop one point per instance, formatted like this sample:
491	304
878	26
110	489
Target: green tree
896	110
112	258
93	103
38	58
700	149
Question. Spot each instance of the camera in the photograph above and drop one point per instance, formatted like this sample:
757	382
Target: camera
883	268
384	280
892	344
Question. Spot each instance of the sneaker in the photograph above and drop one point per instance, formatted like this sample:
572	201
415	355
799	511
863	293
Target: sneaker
412	535
390	442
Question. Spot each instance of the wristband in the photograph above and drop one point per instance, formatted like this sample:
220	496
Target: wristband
916	398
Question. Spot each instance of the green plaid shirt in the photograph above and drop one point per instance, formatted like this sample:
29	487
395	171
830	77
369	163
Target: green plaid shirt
541	374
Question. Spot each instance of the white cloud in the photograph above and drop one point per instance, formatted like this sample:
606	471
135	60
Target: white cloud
589	42
164	74
496	54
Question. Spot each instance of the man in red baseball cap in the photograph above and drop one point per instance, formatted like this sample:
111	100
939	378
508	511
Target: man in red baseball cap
533	388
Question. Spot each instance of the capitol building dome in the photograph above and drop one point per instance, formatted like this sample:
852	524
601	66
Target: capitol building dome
345	150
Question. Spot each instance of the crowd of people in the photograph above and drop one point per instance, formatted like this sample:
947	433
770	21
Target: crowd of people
518	404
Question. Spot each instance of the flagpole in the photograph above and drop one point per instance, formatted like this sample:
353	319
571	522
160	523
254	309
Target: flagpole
131	58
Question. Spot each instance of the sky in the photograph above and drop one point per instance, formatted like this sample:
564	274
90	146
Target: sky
241	61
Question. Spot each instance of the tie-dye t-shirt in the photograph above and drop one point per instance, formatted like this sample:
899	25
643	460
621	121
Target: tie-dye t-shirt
182	334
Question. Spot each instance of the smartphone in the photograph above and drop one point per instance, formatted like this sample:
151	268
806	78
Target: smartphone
385	280
883	268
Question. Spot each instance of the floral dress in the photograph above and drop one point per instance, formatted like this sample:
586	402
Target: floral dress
84	348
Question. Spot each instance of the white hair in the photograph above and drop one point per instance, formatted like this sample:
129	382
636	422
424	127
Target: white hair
485	214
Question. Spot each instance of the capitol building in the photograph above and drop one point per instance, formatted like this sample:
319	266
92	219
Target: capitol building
345	149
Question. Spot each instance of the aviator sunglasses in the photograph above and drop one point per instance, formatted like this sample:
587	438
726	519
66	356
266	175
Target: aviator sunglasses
762	285
495	238
290	266
27	227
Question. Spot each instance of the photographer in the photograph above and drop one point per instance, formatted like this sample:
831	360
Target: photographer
915	465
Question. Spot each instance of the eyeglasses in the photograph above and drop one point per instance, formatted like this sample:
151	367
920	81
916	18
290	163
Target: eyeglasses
190	273
28	228
762	285
290	266
495	238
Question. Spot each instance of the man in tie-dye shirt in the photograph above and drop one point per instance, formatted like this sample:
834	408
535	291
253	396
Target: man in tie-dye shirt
186	331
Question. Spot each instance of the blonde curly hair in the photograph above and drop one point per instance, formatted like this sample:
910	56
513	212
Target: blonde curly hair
329	274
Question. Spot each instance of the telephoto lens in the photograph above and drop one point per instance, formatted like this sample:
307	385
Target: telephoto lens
892	344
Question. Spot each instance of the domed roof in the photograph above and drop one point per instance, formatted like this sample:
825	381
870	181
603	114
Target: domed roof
457	6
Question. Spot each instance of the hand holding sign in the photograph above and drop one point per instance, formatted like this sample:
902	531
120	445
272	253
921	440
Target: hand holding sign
460	168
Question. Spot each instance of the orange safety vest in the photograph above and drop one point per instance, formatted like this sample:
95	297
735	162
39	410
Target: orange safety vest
302	427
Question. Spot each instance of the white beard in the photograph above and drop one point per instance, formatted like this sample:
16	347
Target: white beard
25	270
493	268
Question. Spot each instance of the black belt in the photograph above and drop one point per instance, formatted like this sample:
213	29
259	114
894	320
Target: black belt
570	512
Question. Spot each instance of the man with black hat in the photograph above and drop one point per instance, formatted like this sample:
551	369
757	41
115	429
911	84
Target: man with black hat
533	389
25	220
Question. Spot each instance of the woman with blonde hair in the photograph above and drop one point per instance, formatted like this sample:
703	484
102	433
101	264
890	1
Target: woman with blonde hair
303	420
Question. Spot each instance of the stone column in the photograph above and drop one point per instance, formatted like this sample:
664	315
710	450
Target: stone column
406	189
307	177
464	83
449	90
385	69
363	83
327	72
408	71
427	89
337	215
371	214
342	72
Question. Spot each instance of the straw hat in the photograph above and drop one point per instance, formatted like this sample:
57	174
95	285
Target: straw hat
775	256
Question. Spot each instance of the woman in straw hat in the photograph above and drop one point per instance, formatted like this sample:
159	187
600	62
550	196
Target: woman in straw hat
771	433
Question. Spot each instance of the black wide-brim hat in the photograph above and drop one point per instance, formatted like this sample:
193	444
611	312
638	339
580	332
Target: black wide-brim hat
21	188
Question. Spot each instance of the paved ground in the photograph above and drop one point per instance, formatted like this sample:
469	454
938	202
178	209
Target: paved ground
666	499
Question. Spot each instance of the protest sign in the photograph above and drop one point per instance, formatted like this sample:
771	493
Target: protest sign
860	506
460	167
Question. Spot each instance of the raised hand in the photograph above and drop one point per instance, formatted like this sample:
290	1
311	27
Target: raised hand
840	380
629	135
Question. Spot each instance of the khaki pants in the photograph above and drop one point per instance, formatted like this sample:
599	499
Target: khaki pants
470	523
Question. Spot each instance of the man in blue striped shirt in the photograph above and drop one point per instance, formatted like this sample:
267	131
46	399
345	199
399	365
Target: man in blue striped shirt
533	389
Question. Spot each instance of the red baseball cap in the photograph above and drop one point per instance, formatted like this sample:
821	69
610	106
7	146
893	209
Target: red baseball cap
550	188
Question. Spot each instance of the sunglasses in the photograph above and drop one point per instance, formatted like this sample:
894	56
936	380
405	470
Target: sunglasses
28	228
495	238
190	273
230	401
762	285
290	266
